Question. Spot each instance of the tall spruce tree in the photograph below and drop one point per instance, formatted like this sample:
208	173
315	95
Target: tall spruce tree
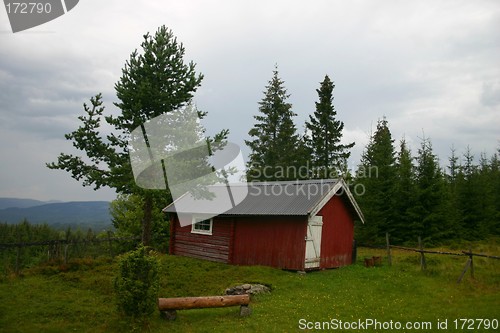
453	166
486	184
469	194
452	178
329	155
153	82
473	196
430	223
376	174
275	145
404	195
494	180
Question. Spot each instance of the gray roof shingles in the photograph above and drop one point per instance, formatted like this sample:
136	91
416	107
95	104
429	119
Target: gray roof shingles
270	198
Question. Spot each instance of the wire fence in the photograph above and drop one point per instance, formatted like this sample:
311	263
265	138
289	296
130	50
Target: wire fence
469	265
16	256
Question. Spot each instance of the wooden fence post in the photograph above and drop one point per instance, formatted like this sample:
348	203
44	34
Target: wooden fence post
66	253
467	264
423	264
471	263
389	258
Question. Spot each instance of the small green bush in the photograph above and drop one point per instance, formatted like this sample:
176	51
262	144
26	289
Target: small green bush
137	284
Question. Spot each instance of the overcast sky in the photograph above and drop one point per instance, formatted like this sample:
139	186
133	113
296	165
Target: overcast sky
431	67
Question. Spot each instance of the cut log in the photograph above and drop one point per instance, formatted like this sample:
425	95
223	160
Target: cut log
184	303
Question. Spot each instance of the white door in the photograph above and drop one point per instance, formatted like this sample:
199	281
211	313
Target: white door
313	242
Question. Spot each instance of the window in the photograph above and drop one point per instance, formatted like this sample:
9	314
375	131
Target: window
202	226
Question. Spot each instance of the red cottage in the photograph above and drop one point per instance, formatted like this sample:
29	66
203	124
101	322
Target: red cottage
296	225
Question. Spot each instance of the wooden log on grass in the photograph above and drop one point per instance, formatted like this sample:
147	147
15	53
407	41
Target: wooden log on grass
184	303
168	306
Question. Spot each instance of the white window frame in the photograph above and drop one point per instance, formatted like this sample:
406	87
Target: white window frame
198	219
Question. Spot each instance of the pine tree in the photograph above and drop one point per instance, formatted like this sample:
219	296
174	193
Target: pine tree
494	180
469	194
404	196
430	223
275	153
376	175
453	167
329	155
452	207
477	189
153	82
486	181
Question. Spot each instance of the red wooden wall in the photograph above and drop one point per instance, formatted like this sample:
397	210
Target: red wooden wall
338	234
214	247
277	241
271	241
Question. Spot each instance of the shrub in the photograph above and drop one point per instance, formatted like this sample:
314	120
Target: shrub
137	284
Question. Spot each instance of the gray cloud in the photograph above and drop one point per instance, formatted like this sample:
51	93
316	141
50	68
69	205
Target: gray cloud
428	66
490	95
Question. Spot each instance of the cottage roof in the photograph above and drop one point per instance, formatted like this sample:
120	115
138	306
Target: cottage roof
286	198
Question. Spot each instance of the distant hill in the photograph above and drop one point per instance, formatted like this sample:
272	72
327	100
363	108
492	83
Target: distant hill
21	203
83	214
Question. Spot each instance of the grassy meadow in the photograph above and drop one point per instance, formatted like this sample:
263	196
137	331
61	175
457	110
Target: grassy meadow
79	296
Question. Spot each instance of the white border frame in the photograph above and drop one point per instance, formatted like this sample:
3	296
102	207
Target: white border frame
199	218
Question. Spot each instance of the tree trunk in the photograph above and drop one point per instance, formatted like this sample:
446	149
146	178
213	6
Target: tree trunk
147	219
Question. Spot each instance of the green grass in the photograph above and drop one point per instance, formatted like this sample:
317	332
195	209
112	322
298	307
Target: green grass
79	297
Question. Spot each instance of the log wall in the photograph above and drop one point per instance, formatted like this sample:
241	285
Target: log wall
214	247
